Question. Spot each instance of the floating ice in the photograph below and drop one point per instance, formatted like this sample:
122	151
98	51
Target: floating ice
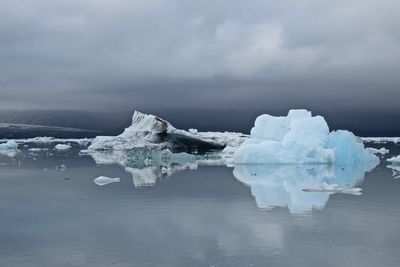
103	180
334	188
382	150
154	132
62	147
395	160
379	140
395	170
37	149
9	145
300	138
9	149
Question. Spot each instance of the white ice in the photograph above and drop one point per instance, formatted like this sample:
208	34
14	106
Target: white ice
146	129
62	147
334	188
381	151
9	149
395	160
395	170
103	180
300	138
9	145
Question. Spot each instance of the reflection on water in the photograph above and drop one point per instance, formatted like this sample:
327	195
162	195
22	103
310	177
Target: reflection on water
297	187
59	217
283	185
148	165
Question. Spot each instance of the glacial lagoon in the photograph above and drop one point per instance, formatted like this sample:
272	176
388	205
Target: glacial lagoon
202	213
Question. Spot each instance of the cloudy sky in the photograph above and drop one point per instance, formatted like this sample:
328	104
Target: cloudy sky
259	54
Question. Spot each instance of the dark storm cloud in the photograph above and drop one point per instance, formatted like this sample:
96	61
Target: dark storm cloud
246	54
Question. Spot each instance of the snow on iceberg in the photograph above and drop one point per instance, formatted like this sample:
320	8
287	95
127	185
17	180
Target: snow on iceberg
154	132
300	138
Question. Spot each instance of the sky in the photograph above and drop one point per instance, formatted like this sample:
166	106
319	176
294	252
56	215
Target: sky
255	55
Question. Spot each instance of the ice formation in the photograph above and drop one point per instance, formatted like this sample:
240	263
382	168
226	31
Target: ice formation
103	180
279	185
9	145
62	147
300	138
154	132
382	151
395	160
395	170
334	188
379	140
9	149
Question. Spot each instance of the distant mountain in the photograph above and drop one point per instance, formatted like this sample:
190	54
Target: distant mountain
11	131
22	123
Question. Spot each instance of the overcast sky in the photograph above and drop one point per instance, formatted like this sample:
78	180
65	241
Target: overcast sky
259	54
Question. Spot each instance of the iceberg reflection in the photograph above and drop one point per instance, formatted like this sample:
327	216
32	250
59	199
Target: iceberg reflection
147	165
289	185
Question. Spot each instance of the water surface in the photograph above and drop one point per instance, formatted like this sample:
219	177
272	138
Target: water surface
57	216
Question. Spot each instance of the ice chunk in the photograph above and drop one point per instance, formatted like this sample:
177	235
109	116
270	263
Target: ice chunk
379	140
9	149
300	138
9	145
103	180
193	131
395	170
382	150
395	160
334	188
62	147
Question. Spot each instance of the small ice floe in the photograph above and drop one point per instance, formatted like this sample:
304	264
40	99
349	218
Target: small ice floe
62	167
103	180
193	131
334	188
37	149
382	150
62	147
380	140
395	160
395	170
9	145
9	149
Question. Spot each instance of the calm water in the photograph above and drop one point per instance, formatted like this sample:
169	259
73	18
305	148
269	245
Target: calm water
202	217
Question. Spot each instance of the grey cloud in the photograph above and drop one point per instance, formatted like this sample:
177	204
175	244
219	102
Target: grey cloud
120	53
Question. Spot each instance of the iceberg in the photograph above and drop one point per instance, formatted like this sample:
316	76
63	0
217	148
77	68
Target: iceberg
9	145
9	149
300	138
153	132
